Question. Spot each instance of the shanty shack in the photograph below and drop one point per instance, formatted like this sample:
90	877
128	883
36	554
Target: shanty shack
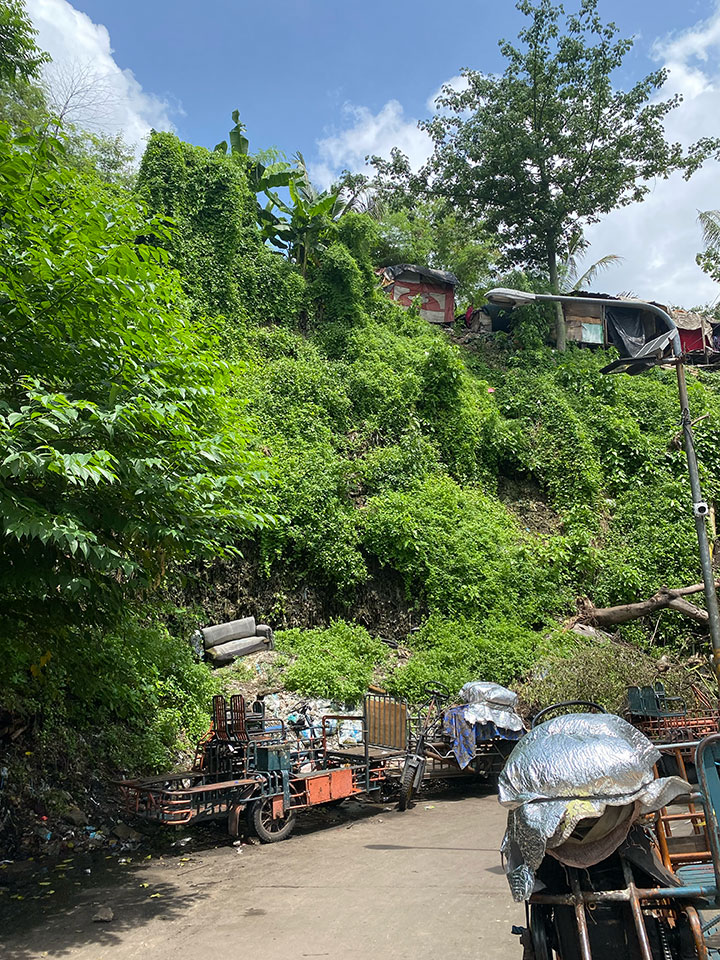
436	289
604	323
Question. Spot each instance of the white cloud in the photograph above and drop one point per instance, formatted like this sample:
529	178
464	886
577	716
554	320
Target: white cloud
369	133
457	83
660	237
110	99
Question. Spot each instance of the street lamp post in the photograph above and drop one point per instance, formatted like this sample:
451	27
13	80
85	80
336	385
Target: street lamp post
514	298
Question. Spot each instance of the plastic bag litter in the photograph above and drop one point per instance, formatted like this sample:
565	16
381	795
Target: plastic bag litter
491	703
350	732
569	769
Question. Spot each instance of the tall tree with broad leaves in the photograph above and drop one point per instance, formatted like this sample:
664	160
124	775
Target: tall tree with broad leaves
552	143
20	59
121	447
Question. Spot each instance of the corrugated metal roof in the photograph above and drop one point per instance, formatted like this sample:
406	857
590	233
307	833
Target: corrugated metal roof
439	276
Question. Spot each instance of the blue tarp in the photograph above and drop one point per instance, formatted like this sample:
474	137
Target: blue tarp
464	737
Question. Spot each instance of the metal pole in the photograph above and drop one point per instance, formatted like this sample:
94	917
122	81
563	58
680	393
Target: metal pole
700	511
700	507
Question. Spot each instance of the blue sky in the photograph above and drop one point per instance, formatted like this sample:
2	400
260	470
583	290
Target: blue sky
338	80
290	66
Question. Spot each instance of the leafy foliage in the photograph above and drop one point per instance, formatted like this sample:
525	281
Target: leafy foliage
122	695
454	652
336	663
20	59
119	449
709	258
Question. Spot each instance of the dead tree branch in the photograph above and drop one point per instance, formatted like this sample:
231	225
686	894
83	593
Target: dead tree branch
664	599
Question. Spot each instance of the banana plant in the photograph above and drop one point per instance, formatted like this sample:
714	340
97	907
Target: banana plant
299	227
311	216
262	178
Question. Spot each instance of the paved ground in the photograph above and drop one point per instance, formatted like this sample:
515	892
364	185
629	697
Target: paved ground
358	883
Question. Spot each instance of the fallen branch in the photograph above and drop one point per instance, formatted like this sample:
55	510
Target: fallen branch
664	599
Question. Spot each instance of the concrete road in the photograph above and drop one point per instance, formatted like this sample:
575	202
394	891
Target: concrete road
361	882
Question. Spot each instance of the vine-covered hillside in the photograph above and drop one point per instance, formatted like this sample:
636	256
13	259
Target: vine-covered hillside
224	430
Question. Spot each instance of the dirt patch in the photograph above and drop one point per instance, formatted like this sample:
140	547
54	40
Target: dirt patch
528	502
230	589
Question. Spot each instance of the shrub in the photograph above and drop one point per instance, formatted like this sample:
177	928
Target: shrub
601	671
454	652
336	663
338	286
460	551
124	696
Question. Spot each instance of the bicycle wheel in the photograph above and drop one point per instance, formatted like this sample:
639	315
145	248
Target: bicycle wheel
407	786
267	828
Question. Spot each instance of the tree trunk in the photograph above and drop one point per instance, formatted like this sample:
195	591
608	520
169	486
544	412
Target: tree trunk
555	288
664	599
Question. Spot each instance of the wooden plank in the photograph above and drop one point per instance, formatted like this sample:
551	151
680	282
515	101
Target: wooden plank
585	311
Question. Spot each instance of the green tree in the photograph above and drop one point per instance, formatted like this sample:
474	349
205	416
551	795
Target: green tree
552	143
709	258
426	233
120	449
20	59
23	102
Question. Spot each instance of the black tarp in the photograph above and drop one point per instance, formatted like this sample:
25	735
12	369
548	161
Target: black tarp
626	329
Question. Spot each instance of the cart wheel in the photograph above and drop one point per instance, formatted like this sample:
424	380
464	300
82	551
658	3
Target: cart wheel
267	828
407	787
539	916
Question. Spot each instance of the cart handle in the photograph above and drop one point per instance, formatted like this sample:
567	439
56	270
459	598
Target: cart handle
438	690
540	716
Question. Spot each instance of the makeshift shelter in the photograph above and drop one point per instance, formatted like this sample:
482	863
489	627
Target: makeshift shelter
436	289
630	328
490	318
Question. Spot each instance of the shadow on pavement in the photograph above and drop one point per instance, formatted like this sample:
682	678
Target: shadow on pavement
49	910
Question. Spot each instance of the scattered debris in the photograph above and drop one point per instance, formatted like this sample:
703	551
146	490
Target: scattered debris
123	832
76	817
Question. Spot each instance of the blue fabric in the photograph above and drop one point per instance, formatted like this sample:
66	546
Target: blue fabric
464	738
456	727
488	731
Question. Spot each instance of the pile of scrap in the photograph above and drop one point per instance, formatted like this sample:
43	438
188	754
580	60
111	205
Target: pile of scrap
227	641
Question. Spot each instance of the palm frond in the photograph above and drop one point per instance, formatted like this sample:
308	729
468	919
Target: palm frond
604	263
710	223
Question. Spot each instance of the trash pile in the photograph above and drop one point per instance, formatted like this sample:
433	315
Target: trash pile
574	786
304	717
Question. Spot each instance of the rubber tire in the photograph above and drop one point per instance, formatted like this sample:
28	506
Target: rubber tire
407	787
539	935
255	813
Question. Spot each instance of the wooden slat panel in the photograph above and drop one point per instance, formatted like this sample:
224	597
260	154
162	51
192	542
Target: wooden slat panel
386	722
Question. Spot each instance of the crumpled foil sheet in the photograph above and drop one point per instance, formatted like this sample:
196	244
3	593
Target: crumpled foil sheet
482	691
569	769
490	702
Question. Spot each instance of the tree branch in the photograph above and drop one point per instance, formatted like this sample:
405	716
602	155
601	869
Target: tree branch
664	599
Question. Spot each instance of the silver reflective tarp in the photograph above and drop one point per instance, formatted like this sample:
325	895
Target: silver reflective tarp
569	770
490	702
